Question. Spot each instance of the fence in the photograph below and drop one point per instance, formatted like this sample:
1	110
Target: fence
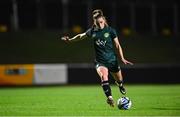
135	15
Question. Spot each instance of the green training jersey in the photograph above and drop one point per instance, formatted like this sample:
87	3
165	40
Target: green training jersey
103	43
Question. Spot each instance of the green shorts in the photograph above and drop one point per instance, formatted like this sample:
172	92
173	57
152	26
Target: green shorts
112	67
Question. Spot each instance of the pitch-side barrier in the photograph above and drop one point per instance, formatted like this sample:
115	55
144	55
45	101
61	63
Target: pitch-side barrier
84	73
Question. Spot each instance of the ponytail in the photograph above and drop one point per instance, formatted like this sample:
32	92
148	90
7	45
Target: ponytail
97	14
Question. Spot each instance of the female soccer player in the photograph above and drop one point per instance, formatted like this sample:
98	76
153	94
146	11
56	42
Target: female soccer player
107	52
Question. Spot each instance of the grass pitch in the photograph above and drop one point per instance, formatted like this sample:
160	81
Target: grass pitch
148	100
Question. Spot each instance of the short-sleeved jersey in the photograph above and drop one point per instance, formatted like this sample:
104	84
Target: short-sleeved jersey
103	43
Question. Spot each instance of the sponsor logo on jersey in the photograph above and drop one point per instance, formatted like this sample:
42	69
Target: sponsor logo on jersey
100	42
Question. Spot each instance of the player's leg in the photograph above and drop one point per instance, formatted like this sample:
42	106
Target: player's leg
103	73
119	81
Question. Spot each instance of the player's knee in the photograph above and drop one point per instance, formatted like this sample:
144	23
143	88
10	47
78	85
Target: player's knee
104	77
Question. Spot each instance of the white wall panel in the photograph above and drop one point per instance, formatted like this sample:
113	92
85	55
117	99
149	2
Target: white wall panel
50	74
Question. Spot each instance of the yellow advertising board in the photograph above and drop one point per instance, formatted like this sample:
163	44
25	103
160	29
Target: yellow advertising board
21	74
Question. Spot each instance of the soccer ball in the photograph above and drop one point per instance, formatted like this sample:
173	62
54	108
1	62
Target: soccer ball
124	103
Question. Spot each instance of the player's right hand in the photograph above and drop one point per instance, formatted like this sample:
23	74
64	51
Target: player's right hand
65	38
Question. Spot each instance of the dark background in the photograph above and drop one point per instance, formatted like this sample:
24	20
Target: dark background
48	14
31	29
148	30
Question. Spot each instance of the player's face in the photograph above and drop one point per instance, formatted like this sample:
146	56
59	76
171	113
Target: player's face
100	22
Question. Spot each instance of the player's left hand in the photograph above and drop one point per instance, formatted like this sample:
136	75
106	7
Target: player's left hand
126	62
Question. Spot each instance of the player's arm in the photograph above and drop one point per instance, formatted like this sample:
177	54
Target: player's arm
78	37
120	51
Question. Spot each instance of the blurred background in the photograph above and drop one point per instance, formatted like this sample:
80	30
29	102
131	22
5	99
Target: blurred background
148	30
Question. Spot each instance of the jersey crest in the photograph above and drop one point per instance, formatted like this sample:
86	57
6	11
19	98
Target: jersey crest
106	35
93	35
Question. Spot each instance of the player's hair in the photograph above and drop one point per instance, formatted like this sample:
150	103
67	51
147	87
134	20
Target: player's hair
97	14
